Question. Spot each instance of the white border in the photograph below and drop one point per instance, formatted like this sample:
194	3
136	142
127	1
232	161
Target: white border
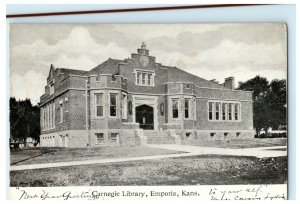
4	82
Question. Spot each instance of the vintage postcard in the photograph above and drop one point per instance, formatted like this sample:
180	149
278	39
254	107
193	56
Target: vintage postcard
148	111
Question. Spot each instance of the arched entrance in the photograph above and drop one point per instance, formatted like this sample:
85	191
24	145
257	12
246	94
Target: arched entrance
144	116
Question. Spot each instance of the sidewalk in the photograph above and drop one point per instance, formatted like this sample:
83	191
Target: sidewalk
259	152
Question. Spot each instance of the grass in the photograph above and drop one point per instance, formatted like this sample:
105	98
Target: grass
197	170
242	143
50	155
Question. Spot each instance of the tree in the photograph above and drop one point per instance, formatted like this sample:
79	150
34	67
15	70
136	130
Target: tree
24	120
269	102
259	86
277	101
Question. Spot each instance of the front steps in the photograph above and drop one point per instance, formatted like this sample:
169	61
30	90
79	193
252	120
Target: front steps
158	137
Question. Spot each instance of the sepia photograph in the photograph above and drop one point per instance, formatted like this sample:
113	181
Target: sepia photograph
148	104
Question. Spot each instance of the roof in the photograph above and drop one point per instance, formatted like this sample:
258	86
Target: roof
109	66
178	75
72	71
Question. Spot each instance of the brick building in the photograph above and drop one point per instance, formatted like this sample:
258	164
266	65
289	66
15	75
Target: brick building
137	100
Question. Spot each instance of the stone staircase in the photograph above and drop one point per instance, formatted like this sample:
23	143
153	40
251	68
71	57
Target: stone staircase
158	137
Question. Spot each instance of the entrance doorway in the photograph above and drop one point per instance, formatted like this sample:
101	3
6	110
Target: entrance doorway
144	116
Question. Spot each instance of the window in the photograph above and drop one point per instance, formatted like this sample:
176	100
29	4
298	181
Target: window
42	118
162	109
144	78
217	110
50	116
175	108
230	111
113	105
188	135
224	107
236	111
188	86
61	109
45	117
99	138
149	79
225	135
210	111
113	78
51	88
99	104
212	135
130	107
53	115
224	111
114	137
186	107
138	78
238	134
124	106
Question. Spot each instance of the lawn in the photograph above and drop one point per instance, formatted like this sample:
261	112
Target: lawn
49	155
197	170
242	143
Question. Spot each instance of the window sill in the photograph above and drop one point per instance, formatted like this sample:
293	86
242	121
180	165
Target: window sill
98	117
145	85
234	121
115	117
176	119
188	119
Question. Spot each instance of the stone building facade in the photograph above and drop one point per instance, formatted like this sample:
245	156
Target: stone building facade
137	100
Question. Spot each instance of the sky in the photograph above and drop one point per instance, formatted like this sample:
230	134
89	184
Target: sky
210	51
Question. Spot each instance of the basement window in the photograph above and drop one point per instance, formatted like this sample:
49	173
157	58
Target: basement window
188	135
225	135
212	135
99	138
238	134
114	138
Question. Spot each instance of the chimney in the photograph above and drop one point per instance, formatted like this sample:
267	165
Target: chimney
229	83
